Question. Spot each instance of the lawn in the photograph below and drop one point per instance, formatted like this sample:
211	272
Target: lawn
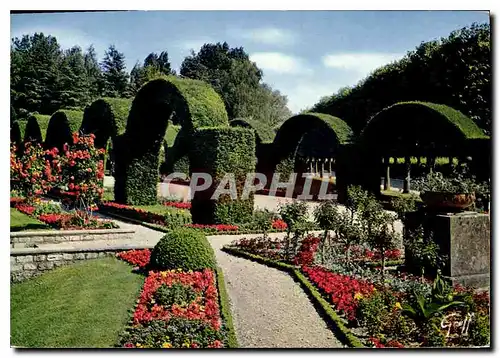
23	222
83	305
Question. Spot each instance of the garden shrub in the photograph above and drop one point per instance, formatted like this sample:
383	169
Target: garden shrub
15	134
480	330
58	132
218	151
185	249
190	103
33	132
263	133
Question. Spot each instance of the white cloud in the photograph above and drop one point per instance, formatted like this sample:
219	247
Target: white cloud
267	35
362	63
277	62
66	37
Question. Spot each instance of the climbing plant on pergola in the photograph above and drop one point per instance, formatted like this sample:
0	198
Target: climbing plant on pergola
189	103
419	129
304	128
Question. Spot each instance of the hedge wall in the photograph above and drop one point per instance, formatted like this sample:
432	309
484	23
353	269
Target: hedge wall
188	103
218	151
15	134
263	133
106	118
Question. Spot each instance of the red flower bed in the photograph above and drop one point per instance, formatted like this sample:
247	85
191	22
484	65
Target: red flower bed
177	205
307	250
139	258
218	227
134	213
279	225
75	221
15	201
205	307
391	344
25	208
340	289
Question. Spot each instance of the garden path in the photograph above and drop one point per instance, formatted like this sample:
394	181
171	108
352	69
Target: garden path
269	309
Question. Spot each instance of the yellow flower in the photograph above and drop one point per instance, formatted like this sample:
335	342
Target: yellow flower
186	344
358	296
164	273
167	345
398	305
138	345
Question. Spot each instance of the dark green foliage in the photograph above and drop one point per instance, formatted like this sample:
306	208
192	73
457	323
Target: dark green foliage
33	132
114	73
292	131
371	313
15	134
480	330
106	118
218	151
263	133
185	249
13	115
454	71
60	128
193	104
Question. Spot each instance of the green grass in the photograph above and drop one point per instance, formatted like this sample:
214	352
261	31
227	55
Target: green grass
23	222
83	305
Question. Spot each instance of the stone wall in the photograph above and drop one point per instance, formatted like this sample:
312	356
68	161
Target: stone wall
32	238
26	263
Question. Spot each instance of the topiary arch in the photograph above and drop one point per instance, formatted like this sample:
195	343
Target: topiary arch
33	131
417	128
106	118
335	132
189	103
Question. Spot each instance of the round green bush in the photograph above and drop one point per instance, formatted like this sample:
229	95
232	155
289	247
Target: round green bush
183	248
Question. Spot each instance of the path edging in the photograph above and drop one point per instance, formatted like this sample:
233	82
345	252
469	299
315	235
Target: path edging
342	332
225	310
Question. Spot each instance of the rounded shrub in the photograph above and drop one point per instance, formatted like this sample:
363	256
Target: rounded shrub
183	248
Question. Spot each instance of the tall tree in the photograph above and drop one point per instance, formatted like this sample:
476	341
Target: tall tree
114	73
35	69
73	82
228	70
94	75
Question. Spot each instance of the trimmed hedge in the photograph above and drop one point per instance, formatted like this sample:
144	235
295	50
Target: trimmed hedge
188	103
292	131
15	134
218	151
58	132
427	121
326	310
33	132
185	249
225	311
263	133
106	118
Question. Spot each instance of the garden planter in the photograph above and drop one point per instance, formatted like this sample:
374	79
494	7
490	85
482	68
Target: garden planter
447	201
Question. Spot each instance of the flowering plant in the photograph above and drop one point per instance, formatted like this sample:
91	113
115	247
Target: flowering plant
139	258
32	173
307	250
216	227
279	225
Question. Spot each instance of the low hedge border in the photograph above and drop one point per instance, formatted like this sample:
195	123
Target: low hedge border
325	309
208	232
225	310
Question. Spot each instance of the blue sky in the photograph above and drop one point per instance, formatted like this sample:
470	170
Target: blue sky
304	54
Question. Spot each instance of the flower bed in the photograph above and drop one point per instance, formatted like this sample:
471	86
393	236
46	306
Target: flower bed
175	309
48	214
178	205
214	228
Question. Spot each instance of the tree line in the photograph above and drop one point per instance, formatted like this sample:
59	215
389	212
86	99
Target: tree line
455	71
45	78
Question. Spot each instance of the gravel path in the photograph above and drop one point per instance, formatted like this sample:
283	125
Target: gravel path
270	310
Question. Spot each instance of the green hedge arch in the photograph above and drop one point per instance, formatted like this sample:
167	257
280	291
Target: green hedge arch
437	128
263	133
291	132
63	123
106	118
188	103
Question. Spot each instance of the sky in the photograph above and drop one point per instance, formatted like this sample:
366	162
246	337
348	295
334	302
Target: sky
304	54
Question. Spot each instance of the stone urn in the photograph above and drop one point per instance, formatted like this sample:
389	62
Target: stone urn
445	201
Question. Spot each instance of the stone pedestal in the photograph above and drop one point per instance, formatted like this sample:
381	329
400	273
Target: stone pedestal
465	239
